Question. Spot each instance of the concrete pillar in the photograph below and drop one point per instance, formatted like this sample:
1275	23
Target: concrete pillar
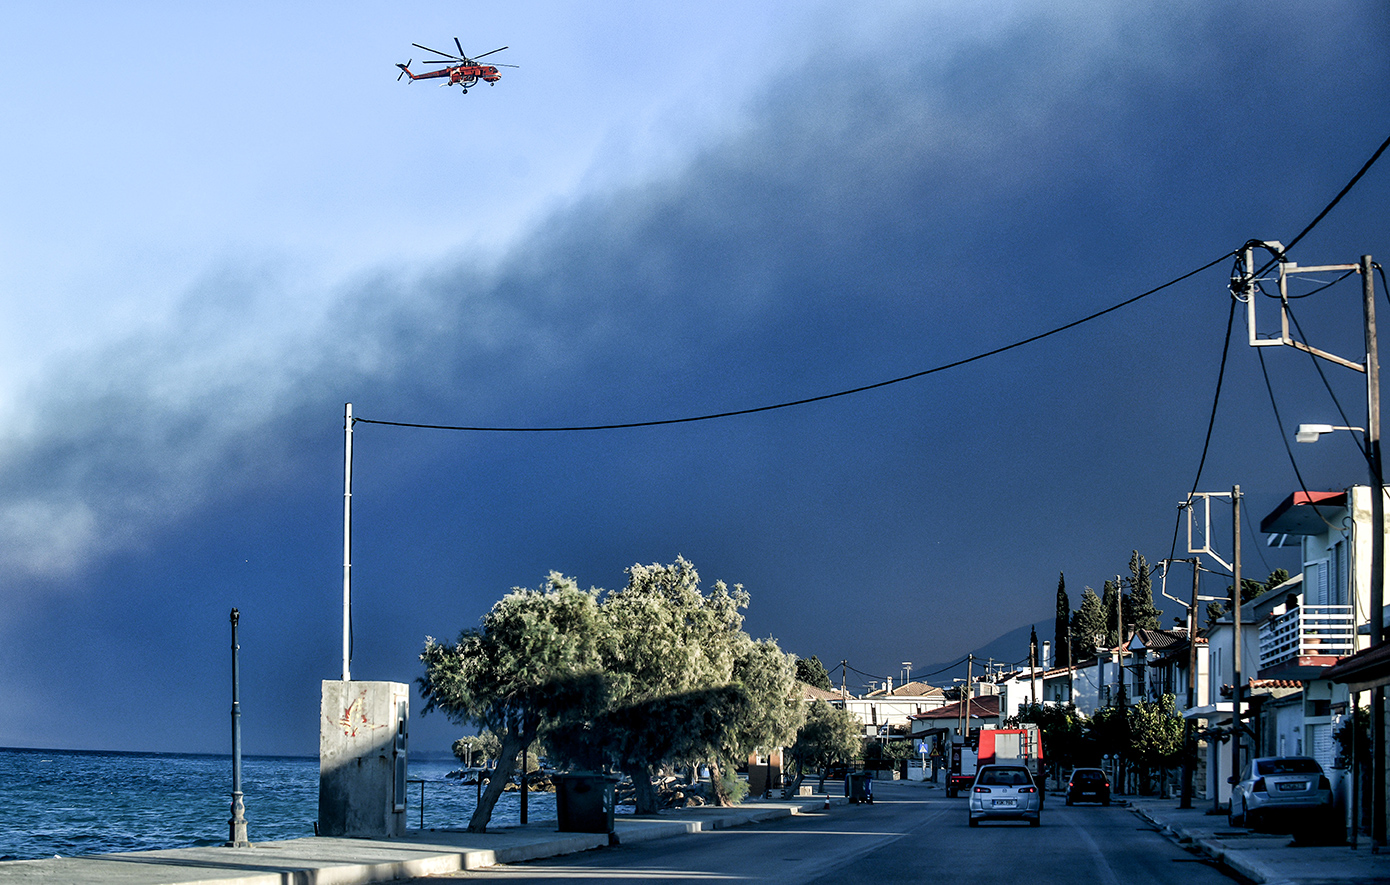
363	729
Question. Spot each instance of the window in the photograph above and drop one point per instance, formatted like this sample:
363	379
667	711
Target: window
1338	582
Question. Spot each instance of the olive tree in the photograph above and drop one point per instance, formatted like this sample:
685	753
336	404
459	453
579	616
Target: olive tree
536	659
828	736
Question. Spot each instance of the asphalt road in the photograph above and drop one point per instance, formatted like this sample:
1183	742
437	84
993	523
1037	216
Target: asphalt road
910	834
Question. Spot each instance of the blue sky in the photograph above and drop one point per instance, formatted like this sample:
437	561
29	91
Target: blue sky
222	224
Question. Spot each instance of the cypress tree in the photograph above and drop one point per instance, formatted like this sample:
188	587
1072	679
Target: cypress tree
1061	626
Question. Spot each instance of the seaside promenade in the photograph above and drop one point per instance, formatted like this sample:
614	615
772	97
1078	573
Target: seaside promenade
318	860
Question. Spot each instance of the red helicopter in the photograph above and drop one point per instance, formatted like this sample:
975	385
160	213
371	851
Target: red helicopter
459	69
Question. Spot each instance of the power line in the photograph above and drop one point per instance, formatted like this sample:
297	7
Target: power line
814	399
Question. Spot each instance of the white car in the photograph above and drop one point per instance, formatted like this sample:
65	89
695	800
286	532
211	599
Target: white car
1289	786
1005	792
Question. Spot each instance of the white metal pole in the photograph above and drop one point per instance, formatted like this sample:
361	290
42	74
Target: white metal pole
347	543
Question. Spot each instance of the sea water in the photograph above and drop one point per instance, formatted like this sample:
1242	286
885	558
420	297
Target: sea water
69	802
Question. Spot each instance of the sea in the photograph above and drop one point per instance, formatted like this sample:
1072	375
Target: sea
72	802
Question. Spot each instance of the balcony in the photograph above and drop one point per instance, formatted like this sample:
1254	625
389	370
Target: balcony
1300	643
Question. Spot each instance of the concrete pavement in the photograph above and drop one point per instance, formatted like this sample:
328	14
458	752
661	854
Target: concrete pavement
334	861
1264	857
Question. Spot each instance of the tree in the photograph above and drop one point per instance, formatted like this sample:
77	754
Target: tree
1063	733
1139	609
1110	601
828	736
536	660
1061	625
484	746
1155	736
1249	589
812	672
1087	625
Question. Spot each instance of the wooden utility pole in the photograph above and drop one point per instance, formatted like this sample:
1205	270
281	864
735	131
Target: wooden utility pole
1189	752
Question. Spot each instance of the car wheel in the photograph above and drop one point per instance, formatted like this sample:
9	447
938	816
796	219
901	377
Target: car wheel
1035	822
1252	819
974	822
1235	820
1071	801
1106	800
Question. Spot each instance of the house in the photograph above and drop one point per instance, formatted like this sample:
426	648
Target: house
1294	638
937	727
888	711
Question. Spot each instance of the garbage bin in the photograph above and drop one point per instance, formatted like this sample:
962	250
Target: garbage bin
859	787
584	802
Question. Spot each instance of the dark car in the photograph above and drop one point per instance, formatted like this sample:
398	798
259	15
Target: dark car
1088	785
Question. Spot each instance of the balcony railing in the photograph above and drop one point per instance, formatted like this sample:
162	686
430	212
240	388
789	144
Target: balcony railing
1325	630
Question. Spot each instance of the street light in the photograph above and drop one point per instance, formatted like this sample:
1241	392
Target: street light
1311	433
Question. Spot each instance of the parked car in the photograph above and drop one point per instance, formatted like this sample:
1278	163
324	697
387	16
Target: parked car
1005	792
1088	785
1292	789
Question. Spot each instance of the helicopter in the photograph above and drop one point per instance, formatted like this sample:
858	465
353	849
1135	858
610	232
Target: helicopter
459	69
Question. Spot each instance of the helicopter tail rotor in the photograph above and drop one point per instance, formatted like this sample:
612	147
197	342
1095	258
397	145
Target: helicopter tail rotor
405	69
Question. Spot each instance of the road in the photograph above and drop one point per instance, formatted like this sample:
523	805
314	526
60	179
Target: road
911	833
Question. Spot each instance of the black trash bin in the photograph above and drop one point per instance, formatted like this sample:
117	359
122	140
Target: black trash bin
859	787
584	802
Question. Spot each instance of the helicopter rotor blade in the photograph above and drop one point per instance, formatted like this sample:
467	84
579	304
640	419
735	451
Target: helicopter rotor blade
498	49
460	46
435	51
498	64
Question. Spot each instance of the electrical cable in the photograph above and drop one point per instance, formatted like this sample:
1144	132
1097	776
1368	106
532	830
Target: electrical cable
814	399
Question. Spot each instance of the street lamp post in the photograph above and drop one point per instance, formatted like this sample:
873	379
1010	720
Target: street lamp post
1247	287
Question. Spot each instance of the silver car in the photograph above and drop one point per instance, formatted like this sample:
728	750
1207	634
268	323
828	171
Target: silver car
1290	786
1005	792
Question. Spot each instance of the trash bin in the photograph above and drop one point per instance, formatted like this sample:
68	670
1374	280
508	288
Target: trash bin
859	787
584	802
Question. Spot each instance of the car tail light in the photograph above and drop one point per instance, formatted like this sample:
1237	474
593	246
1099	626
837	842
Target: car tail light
1259	786
982	789
1027	789
1324	783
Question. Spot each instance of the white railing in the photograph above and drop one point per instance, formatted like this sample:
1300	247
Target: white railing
1307	630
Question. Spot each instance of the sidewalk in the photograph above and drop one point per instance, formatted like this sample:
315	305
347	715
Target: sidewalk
321	860
1264	857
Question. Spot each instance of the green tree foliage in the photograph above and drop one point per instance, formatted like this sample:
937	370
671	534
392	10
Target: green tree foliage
537	659
812	672
1110	601
828	736
1140	613
655	675
477	749
1087	624
1155	732
1065	740
675	641
1249	589
1061	627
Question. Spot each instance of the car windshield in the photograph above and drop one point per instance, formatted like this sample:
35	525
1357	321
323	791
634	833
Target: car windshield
1004	777
1288	766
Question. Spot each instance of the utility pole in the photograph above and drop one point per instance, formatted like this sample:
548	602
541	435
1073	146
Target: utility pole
1368	300
1189	761
1371	368
1237	690
347	543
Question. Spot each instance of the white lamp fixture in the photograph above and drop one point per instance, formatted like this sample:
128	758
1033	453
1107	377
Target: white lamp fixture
1310	433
